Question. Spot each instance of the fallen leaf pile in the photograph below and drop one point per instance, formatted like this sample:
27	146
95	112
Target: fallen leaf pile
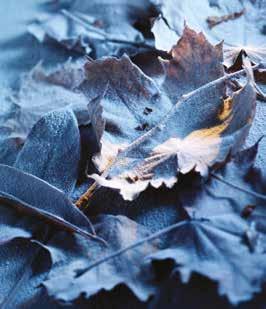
127	178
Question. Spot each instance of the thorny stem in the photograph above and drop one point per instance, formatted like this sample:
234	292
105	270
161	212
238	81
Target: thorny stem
83	201
134	245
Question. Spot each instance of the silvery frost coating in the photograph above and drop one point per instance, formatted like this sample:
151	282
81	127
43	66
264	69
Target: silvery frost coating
206	122
163	132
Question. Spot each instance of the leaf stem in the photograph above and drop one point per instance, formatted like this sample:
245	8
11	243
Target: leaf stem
82	202
257	195
84	199
134	245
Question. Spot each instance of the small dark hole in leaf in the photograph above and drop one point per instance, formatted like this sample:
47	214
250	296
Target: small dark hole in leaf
142	127
147	111
247	211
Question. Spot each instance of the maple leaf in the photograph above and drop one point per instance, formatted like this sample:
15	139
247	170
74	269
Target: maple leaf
233	191
194	62
97	28
158	119
86	264
210	242
204	125
212	247
131	101
240	25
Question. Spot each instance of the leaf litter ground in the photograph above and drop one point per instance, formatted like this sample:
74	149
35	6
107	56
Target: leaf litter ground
123	174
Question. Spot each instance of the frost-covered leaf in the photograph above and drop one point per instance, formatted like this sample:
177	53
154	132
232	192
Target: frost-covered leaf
96	27
50	204
152	119
240	24
54	136
80	269
215	241
223	212
238	186
124	102
131	101
206	245
207	123
194	62
213	245
45	155
31	207
39	93
42	92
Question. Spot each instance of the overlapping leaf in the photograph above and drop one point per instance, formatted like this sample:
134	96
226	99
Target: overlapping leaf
99	28
39	93
83	270
206	123
30	206
211	242
212	245
240	24
130	105
71	263
221	211
184	114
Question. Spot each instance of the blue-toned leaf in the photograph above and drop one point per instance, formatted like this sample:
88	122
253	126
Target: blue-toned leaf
215	240
79	268
201	129
97	28
224	234
53	147
219	20
40	92
30	207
